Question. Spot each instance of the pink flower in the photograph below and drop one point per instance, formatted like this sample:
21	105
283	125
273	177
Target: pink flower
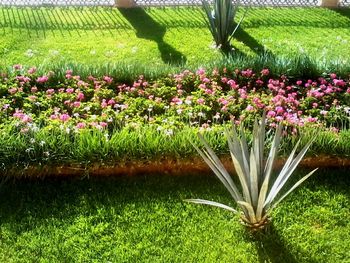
279	110
34	89
111	102
247	73
81	125
205	80
103	124
200	101
69	90
12	90
232	84
80	96
271	114
108	79
42	79
250	108
200	71
224	80
64	117
32	70
104	104
76	104
208	91
265	72
279	118
50	91
339	82
311	119
176	101
17	67
333	75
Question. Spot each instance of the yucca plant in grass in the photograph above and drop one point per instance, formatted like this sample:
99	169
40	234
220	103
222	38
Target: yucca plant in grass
221	22
260	191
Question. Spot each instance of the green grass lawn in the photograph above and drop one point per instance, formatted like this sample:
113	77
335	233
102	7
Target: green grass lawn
144	219
158	36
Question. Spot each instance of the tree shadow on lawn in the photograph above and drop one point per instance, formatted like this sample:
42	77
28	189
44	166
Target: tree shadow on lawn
146	27
344	11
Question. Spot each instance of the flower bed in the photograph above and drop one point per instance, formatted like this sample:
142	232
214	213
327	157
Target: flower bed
199	99
97	119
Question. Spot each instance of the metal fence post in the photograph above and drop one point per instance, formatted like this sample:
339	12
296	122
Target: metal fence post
125	3
329	3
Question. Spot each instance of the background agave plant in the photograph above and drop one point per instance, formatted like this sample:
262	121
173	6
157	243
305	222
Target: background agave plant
258	194
221	21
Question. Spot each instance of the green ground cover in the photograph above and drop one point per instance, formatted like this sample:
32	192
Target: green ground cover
144	219
172	36
144	144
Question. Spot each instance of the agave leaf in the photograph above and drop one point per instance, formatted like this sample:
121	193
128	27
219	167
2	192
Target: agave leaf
245	152
267	172
283	177
222	174
220	20
292	189
254	190
236	156
262	146
251	214
273	152
210	18
238	25
212	203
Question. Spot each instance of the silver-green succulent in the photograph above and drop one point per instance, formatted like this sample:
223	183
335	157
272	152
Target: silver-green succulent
221	22
260	192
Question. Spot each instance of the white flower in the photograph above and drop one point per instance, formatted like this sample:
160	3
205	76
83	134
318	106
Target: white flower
168	132
201	114
109	53
54	52
29	53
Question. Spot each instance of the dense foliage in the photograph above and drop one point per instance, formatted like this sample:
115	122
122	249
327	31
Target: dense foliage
200	99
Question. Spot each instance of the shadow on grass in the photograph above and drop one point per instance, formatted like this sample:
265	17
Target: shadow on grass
272	248
146	27
344	11
242	36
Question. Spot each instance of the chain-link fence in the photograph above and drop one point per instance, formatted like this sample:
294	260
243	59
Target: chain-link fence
159	2
244	2
345	3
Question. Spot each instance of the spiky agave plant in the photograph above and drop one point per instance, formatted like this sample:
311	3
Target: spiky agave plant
221	22
259	191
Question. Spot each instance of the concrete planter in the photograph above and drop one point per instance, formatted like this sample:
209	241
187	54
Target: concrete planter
329	3
125	3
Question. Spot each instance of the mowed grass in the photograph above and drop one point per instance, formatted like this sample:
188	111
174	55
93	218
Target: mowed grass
144	219
159	36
